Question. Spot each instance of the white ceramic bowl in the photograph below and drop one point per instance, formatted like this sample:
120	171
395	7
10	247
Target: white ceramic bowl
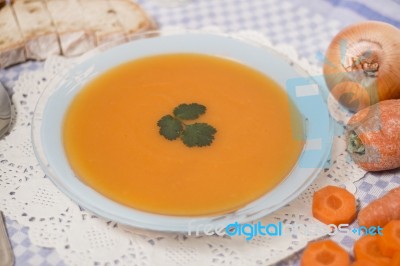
49	114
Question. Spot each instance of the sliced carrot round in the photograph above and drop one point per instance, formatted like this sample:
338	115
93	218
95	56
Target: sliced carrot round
389	243
334	205
395	260
365	263
367	248
325	253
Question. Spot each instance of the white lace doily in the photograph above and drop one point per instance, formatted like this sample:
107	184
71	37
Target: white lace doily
81	238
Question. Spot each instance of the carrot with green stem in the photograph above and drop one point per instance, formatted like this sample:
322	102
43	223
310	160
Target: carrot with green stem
373	137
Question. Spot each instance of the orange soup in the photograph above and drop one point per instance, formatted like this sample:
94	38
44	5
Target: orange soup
113	141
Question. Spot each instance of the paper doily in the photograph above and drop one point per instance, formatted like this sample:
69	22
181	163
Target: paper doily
81	238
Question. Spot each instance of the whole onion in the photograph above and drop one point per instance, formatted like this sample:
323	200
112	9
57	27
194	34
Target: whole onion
362	64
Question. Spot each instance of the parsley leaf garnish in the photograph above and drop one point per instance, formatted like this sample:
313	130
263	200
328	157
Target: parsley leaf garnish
198	134
192	135
189	111
170	127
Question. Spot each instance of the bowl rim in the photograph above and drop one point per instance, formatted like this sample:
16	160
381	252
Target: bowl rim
183	224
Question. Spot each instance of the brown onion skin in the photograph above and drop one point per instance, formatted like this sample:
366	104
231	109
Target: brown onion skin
351	95
380	44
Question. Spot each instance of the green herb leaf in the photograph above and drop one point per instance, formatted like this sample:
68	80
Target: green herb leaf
198	134
192	135
189	111
170	127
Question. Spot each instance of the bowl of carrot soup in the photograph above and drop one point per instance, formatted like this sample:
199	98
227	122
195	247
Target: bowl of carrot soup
178	130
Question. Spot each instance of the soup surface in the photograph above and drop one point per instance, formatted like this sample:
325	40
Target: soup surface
113	143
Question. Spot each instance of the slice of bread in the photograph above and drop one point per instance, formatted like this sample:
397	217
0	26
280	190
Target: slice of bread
35	29
131	17
12	46
69	21
101	19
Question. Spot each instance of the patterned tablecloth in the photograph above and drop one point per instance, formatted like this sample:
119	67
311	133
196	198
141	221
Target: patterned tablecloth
308	25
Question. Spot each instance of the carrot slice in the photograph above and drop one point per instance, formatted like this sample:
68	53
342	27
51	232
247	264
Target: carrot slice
389	243
395	260
325	253
382	210
367	248
334	205
366	263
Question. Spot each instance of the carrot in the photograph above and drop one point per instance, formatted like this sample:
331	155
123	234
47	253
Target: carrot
389	243
325	253
382	210
365	263
334	205
373	137
395	260
367	248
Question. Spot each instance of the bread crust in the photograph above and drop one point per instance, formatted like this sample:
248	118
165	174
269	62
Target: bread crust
69	22
37	28
67	27
12	45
